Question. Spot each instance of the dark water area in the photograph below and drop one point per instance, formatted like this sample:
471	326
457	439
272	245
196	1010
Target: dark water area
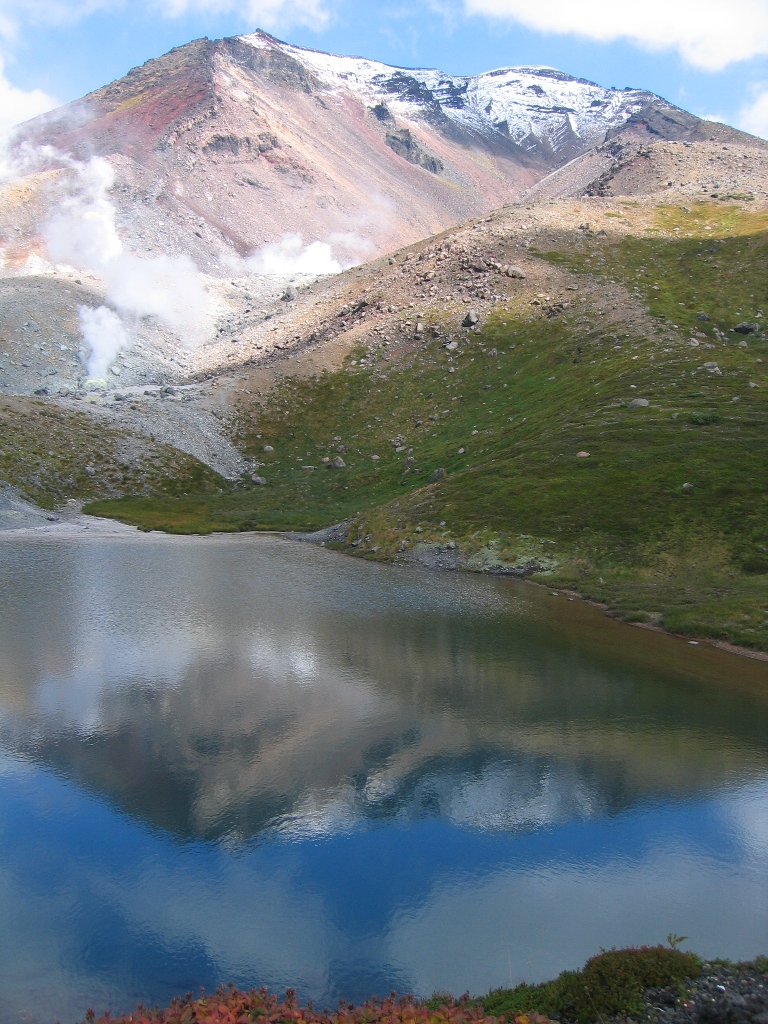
248	760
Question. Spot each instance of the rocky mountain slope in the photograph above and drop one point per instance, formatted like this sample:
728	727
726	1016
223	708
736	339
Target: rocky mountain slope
574	391
220	147
150	197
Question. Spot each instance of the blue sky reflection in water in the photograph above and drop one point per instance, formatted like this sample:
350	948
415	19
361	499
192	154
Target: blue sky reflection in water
242	760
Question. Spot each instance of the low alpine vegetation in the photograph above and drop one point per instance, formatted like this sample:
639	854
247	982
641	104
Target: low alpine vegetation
229	1006
609	985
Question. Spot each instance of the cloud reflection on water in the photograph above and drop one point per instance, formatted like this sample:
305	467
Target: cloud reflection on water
250	761
220	689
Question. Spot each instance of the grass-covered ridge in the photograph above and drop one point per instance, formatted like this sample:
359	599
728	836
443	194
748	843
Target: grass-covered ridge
710	260
506	413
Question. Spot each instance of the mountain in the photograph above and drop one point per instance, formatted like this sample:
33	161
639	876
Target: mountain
570	383
220	147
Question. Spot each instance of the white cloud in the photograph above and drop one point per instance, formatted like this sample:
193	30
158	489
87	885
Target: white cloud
17	106
13	13
753	117
266	13
288	258
709	34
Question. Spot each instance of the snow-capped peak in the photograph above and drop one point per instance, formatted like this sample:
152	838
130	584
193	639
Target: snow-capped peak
531	106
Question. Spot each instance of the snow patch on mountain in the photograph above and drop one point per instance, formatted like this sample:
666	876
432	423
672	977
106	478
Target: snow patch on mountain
532	106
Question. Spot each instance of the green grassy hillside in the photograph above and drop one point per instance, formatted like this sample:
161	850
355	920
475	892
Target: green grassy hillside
51	454
666	520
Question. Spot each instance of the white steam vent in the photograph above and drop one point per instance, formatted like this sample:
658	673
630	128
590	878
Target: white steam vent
289	258
105	336
82	234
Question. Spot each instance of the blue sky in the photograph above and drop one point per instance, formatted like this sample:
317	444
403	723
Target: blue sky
709	56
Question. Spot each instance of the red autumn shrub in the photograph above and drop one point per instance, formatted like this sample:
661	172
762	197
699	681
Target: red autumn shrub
230	1006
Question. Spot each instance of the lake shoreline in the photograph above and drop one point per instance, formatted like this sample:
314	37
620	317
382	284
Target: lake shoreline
34	521
455	563
672	987
721	645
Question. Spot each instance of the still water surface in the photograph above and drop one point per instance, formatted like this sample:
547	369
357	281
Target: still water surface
242	759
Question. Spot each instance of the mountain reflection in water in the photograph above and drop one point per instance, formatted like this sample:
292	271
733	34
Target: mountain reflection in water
237	695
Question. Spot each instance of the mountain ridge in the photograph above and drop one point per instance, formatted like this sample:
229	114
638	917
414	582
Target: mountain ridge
461	94
234	143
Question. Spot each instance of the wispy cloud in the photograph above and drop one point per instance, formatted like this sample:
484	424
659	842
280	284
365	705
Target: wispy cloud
16	14
16	105
266	13
753	116
708	34
82	234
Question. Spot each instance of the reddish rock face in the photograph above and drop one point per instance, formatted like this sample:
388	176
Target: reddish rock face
220	147
234	146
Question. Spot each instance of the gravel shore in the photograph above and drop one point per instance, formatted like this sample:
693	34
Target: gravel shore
723	994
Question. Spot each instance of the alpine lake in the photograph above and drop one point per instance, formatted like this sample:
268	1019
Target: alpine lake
244	759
